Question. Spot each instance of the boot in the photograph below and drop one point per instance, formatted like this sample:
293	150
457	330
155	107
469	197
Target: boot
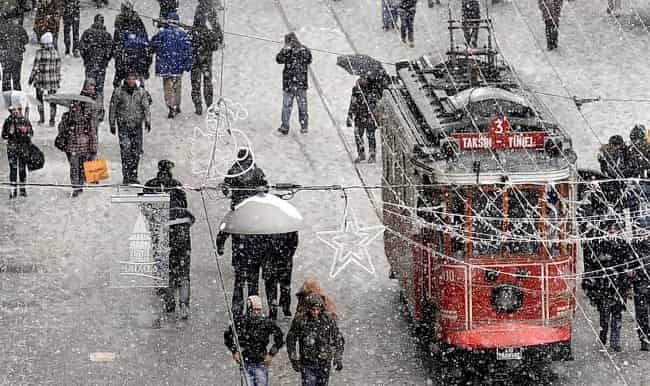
184	311
23	192
171	114
273	312
361	157
645	345
198	110
12	194
52	117
603	337
372	158
41	114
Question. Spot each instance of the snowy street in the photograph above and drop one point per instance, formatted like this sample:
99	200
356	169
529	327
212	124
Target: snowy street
61	322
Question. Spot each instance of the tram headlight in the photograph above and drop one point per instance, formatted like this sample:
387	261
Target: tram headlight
507	298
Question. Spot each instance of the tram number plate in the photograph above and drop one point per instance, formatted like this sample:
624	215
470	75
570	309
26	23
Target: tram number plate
509	353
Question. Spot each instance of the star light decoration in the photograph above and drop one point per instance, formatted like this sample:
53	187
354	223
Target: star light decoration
350	243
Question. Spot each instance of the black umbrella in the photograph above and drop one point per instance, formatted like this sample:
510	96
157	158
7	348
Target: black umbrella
362	65
68	98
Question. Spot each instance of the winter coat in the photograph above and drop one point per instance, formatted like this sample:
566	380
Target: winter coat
278	258
13	9
180	240
319	340
362	108
48	16
96	46
204	42
164	183
13	39
46	72
129	107
70	10
167	7
608	282
209	11
296	62
408	4
131	60
312	286
471	9
638	159
17	131
550	9
244	249
254	335
253	178
173	50
80	129
612	160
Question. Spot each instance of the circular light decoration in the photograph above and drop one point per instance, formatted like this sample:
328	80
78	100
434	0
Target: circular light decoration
507	298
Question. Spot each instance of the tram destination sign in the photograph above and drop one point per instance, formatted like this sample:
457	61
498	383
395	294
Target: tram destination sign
499	136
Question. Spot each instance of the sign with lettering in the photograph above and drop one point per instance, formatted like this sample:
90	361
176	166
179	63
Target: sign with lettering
499	136
142	259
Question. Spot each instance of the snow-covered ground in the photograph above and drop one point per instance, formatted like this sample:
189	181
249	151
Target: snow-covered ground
56	307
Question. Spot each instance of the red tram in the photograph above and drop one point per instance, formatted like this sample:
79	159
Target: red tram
477	229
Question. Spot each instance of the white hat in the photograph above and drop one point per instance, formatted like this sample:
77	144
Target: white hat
254	302
47	38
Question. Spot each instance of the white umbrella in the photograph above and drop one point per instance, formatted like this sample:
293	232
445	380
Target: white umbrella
262	214
18	98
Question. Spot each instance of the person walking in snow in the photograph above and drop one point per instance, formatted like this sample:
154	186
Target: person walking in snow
13	39
407	17
389	13
71	15
246	262
79	127
18	132
254	333
311	286
320	344
471	16
210	9
277	271
173	50
164	182
46	75
296	59
551	10
96	49
244	178
204	42
128	112
180	251
131	47
48	19
361	112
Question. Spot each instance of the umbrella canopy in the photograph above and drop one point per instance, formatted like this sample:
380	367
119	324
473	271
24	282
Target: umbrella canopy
362	65
68	98
15	98
262	214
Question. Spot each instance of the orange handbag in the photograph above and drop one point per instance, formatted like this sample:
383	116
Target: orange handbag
95	170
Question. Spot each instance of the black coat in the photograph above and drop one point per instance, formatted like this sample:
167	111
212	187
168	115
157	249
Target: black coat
254	338
607	280
296	60
278	257
13	39
17	131
164	183
612	160
180	240
70	10
204	42
96	46
251	179
167	6
638	159
126	62
246	250
319	340
471	9
363	103
408	4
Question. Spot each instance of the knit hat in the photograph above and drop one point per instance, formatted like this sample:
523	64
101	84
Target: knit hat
47	38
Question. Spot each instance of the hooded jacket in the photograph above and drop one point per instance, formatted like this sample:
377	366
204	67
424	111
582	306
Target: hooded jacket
71	10
312	286
204	41
253	178
173	50
318	338
13	39
96	46
165	183
254	335
129	107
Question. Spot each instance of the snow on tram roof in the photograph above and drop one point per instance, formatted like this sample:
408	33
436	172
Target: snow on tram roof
479	94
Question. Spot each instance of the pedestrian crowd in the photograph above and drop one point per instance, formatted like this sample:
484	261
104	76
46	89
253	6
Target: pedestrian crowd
175	49
613	259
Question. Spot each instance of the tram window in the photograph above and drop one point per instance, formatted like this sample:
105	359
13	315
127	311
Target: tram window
556	218
428	201
523	215
456	222
486	222
490	107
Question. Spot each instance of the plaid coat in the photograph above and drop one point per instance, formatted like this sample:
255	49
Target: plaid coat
80	130
46	73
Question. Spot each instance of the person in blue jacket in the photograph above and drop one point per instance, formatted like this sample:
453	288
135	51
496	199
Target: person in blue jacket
173	49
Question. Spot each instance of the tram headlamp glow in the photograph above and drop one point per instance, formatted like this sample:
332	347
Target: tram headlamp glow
507	298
